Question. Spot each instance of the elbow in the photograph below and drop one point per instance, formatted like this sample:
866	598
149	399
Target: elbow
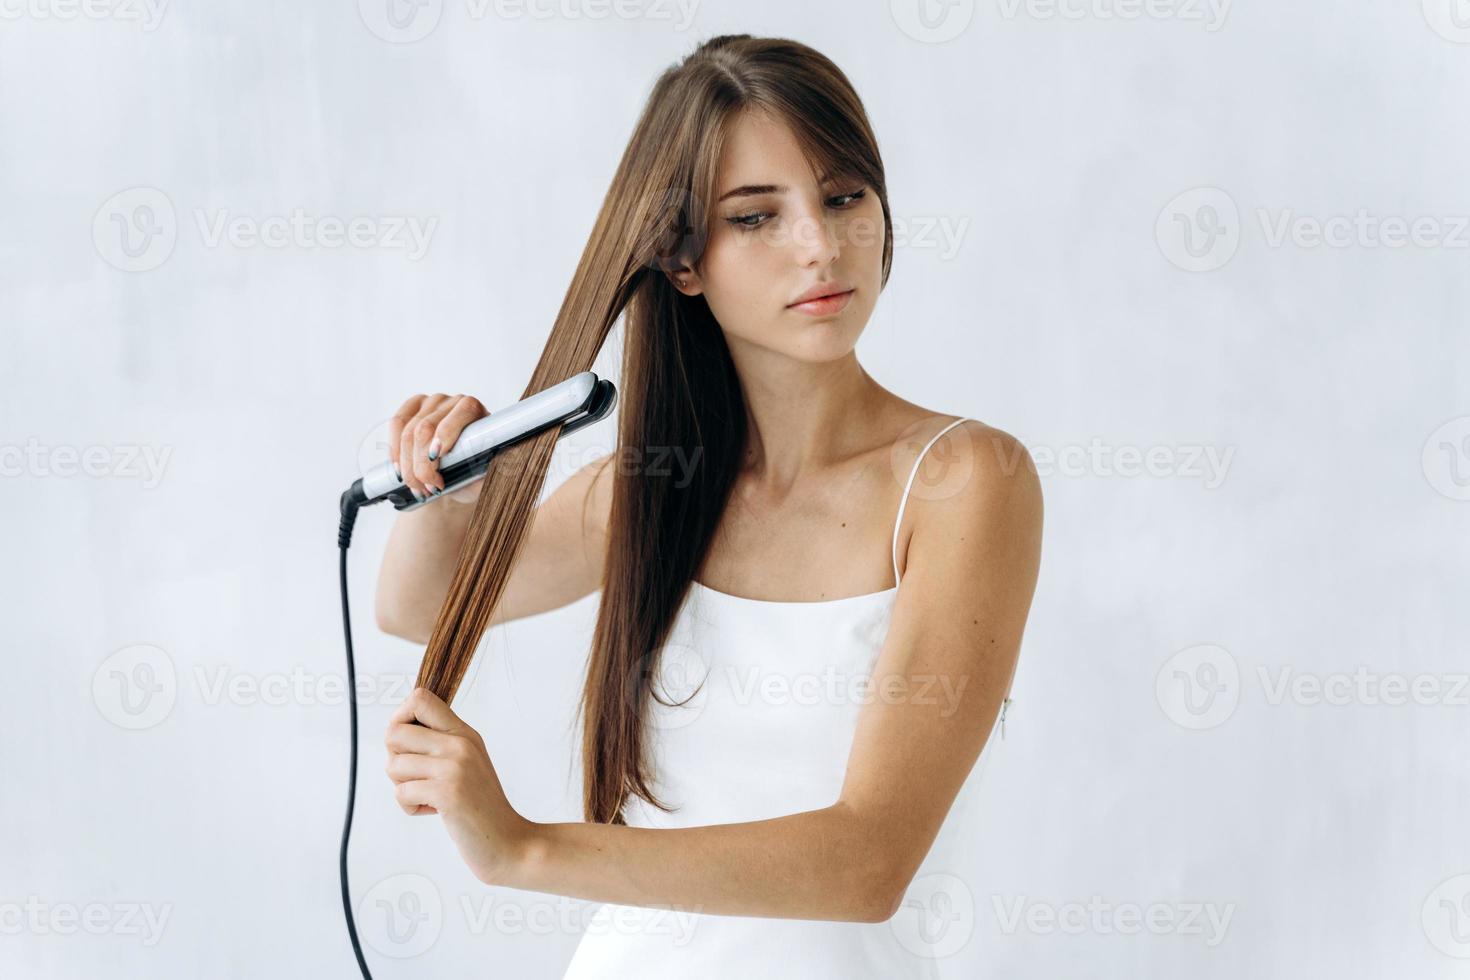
384	618
392	624
878	914
883	904
875	888
883	894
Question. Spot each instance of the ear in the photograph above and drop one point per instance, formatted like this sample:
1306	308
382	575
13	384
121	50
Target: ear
685	280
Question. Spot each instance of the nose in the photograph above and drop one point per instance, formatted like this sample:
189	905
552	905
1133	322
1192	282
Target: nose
815	240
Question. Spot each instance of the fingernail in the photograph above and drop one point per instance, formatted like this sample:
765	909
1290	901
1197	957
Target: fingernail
433	490
434	449
416	498
398	473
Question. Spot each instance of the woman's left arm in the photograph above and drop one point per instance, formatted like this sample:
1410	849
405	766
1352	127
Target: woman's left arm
936	689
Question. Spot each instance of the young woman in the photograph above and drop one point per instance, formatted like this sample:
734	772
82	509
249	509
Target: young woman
837	579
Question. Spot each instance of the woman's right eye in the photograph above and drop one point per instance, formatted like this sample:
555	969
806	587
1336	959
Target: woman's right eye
743	220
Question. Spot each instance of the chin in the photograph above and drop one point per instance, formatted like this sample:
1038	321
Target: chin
824	340
804	338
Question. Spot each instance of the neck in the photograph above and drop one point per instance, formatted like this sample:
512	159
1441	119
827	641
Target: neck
803	417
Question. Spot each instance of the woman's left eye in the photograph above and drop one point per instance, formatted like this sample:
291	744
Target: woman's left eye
855	195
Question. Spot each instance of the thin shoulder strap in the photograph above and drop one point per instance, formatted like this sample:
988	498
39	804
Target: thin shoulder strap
905	499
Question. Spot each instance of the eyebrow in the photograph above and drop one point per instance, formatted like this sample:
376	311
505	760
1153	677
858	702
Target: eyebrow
751	190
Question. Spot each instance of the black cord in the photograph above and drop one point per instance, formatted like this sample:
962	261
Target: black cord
349	507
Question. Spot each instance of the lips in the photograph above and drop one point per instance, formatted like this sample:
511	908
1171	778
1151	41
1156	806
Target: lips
819	292
824	306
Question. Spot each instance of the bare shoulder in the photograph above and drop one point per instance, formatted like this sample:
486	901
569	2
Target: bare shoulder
1000	460
964	451
991	471
975	483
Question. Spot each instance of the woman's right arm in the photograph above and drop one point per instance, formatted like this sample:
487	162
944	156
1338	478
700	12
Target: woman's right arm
561	560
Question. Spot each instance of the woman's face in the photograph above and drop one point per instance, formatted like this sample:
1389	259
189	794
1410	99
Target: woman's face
775	234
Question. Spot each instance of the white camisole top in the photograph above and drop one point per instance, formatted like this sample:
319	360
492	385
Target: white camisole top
768	733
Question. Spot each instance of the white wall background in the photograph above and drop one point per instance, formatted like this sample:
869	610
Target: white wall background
1327	544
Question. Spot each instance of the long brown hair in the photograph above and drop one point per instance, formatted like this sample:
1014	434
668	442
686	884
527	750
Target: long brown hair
678	390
